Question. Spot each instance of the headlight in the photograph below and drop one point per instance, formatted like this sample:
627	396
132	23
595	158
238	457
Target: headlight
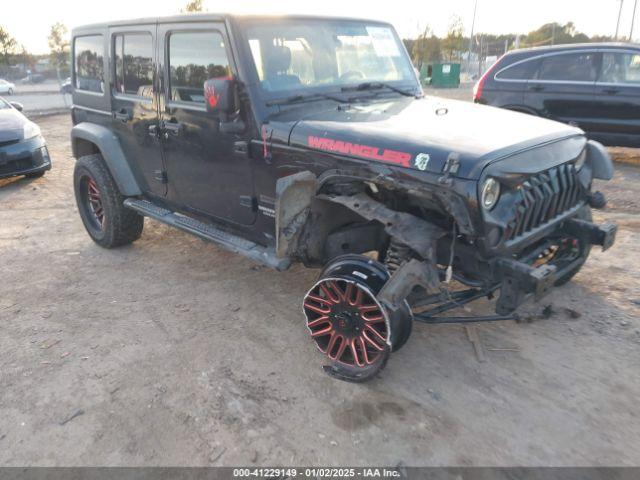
490	193
581	159
30	130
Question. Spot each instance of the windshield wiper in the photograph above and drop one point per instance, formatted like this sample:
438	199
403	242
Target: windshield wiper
308	97
377	86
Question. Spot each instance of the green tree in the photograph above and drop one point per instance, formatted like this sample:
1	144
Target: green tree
59	46
426	48
193	6
8	45
453	43
556	34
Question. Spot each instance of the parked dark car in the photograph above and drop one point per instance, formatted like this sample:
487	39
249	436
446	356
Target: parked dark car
593	86
23	150
33	78
308	139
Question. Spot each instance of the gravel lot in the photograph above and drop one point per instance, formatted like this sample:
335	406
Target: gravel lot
175	352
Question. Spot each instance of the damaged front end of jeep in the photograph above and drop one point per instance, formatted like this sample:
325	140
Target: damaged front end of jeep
397	246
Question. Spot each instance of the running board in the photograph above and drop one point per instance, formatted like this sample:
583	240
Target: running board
211	233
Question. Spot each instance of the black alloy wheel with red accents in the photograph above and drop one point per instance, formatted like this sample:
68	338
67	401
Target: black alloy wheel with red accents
101	205
93	201
349	325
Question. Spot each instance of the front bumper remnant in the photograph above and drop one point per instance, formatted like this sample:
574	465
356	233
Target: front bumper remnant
520	280
603	235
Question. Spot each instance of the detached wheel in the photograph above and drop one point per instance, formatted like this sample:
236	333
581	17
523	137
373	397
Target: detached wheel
348	323
109	223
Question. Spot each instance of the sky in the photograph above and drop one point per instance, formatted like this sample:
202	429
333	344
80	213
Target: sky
29	21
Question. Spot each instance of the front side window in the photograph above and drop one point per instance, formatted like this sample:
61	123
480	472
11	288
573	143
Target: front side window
326	53
194	58
621	68
133	58
89	63
572	67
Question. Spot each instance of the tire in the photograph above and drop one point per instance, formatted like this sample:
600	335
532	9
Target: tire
10	91
107	221
585	249
35	174
350	326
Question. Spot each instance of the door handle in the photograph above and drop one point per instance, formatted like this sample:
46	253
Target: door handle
536	88
123	115
172	127
611	91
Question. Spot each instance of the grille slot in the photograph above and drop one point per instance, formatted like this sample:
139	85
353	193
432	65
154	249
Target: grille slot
543	197
6	143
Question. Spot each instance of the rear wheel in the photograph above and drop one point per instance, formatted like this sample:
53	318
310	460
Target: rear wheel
348	323
109	223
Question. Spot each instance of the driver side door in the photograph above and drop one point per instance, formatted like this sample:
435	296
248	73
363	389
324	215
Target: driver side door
206	174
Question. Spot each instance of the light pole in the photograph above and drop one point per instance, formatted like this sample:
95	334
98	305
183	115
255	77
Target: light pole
473	26
633	18
619	15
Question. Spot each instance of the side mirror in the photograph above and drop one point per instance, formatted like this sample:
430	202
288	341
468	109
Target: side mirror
220	95
17	106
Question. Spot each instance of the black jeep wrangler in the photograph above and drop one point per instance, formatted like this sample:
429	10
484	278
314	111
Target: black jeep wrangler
306	139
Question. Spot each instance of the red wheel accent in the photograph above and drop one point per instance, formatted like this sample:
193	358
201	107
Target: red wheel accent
346	322
95	201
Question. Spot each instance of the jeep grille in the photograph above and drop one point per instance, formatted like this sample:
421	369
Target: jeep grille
543	197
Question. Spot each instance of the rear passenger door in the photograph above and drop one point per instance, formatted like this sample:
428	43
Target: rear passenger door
207	174
563	88
134	107
618	97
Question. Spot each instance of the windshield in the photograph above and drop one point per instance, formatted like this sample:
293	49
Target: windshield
310	54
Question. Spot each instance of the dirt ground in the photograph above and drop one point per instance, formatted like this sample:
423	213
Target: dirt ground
174	352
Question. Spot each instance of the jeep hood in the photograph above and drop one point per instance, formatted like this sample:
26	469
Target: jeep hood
422	133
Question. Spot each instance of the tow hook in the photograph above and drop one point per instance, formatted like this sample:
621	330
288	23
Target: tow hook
597	200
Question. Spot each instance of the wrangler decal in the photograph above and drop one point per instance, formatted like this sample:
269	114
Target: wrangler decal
363	151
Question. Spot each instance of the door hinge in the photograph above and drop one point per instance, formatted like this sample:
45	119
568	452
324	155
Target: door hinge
248	202
161	176
241	148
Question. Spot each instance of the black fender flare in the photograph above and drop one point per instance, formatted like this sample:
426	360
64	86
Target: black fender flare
111	151
293	199
599	160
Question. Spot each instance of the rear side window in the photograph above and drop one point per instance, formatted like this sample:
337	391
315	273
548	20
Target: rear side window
194	58
621	68
571	67
89	63
133	58
519	71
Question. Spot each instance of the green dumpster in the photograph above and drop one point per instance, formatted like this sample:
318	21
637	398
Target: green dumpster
441	75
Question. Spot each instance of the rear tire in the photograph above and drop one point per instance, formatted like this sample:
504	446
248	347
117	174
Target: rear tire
585	249
101	205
